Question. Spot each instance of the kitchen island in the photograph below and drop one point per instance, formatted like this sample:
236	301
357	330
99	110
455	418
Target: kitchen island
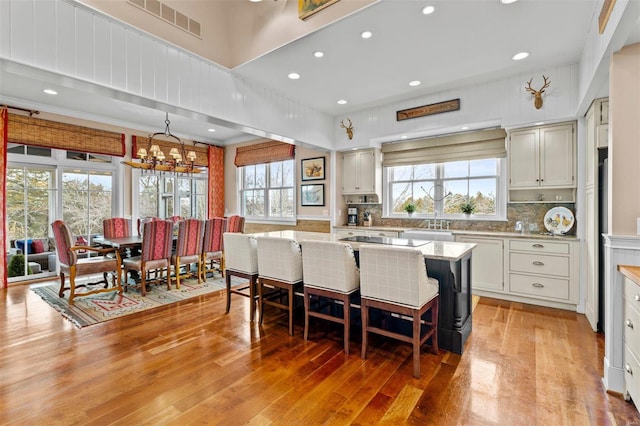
448	262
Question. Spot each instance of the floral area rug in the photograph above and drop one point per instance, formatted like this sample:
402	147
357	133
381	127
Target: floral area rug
97	308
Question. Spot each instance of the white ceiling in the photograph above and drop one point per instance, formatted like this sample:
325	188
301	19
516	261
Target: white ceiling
462	42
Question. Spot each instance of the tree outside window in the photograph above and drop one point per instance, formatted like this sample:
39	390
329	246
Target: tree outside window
267	190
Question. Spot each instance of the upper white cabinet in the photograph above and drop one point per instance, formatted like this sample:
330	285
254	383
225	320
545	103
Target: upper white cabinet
542	164
361	176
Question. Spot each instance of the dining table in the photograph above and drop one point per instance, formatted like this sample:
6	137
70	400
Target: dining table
134	241
448	262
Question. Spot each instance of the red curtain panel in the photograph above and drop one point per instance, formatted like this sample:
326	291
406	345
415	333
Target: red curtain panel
216	182
3	201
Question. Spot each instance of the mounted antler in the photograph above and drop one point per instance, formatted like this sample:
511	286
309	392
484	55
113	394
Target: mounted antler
348	128
537	94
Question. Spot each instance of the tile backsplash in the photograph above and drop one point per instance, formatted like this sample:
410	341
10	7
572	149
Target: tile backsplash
531	212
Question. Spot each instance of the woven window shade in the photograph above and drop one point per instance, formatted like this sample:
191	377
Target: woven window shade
51	134
202	152
267	152
477	145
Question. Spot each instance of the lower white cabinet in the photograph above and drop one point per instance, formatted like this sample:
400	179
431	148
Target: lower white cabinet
632	340
486	263
364	232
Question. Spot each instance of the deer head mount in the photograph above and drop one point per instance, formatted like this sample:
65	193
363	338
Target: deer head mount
348	129
537	94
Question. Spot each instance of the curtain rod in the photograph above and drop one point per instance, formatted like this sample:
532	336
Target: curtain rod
30	111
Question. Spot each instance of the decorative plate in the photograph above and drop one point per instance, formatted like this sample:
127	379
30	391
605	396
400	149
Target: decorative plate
559	220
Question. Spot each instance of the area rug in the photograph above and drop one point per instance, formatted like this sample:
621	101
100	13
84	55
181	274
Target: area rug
97	308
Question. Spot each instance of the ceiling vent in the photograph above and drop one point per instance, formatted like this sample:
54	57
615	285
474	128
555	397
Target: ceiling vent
168	14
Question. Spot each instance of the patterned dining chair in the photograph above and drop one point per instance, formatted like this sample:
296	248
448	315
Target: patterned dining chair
116	227
394	280
242	261
280	274
212	246
74	267
157	238
235	223
188	249
329	272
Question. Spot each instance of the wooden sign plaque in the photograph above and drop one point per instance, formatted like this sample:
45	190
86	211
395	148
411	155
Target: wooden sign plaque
421	111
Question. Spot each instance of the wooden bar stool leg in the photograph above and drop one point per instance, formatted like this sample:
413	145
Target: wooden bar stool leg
228	283
347	322
307	305
416	344
252	297
365	323
290	295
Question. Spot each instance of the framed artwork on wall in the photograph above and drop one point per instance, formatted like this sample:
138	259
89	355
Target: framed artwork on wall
307	8
312	168
312	195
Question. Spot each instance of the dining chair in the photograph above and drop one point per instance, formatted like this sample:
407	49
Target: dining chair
116	227
242	261
394	280
330	272
280	274
188	249
235	223
212	246
74	267
157	238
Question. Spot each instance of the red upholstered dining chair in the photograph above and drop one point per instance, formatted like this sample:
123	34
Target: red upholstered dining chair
74	267
188	248
212	246
116	227
157	238
235	224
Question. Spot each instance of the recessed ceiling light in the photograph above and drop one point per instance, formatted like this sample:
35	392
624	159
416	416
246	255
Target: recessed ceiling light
255	1
539	123
366	34
211	130
342	102
428	10
519	56
50	92
294	75
414	83
403	137
318	54
465	127
508	1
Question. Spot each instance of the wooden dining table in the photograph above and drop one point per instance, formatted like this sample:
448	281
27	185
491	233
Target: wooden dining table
448	262
134	241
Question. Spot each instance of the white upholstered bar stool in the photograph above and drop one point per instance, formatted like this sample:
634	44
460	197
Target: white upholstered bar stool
394	279
241	261
329	271
280	266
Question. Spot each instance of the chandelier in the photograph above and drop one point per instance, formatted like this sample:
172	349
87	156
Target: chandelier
153	160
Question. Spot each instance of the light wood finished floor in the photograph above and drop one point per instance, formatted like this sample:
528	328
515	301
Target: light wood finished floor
192	364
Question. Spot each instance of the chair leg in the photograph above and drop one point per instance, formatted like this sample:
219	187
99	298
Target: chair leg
252	298
228	283
143	281
307	305
61	291
365	323
347	322
260	299
290	295
434	324
416	344
177	269
72	284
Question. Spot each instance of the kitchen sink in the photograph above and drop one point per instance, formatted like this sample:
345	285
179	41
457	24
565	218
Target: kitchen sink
428	234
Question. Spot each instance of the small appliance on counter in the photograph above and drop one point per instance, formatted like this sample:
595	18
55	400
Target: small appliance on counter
352	216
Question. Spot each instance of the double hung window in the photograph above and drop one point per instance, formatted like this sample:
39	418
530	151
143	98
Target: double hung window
267	191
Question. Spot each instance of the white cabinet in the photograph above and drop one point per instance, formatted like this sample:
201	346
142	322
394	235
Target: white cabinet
545	270
542	163
350	232
346	232
361	176
632	339
486	263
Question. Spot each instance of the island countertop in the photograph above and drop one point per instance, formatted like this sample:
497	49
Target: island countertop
442	250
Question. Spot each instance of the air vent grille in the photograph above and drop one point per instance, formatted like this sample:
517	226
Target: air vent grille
169	15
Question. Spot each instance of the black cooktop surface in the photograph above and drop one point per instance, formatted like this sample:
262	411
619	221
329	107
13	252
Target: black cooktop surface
386	240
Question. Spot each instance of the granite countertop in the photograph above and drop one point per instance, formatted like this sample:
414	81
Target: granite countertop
495	234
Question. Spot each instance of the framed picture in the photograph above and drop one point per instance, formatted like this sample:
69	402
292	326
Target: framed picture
307	8
312	195
312	168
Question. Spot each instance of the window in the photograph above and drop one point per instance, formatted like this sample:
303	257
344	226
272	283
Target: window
168	195
86	201
267	191
440	188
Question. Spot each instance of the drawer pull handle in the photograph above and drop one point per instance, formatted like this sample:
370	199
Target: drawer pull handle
538	245
628	369
537	285
538	263
629	324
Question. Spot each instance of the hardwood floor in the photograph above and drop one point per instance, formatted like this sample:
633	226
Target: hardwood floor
190	363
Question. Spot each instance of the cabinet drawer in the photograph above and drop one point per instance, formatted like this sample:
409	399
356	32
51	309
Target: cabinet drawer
539	246
351	233
631	374
539	264
632	294
539	286
632	328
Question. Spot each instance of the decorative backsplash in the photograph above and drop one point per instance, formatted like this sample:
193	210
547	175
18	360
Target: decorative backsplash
531	212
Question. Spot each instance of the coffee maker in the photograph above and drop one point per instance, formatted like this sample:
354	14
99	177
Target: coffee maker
352	216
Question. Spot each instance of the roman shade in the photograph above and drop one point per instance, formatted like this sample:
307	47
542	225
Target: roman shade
267	152
51	134
489	143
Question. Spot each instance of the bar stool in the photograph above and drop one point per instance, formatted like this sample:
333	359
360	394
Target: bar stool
242	261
